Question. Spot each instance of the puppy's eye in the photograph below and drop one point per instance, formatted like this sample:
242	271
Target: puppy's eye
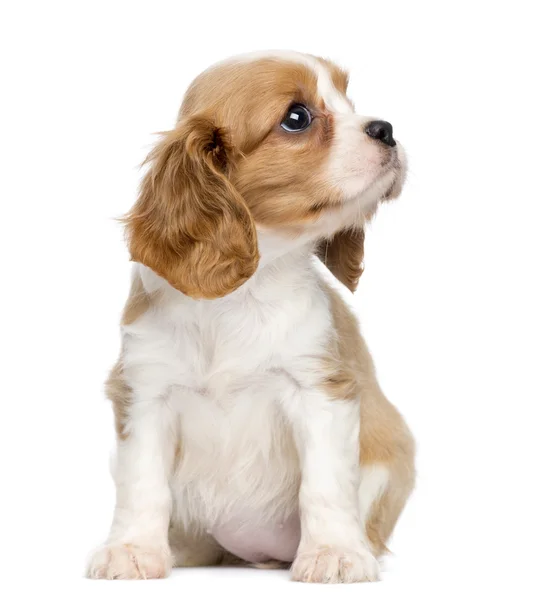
298	118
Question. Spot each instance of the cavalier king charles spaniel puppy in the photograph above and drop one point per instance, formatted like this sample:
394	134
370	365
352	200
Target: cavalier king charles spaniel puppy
251	428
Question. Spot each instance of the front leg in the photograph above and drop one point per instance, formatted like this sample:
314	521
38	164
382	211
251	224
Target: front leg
333	546
137	546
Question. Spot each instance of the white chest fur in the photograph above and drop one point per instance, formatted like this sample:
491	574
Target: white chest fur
221	368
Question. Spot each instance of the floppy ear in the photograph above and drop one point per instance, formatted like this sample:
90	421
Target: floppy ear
343	255
189	224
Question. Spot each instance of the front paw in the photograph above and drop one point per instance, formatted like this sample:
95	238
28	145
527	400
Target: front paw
130	561
326	564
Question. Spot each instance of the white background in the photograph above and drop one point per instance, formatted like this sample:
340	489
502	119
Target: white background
458	303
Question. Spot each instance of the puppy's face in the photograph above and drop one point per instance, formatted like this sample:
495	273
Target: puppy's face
304	150
263	143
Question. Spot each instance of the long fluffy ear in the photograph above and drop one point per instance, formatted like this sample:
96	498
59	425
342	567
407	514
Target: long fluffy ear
343	255
189	223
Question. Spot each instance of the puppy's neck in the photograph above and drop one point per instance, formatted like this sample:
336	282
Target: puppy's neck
276	248
284	262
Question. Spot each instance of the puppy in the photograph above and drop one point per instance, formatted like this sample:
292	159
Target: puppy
250	424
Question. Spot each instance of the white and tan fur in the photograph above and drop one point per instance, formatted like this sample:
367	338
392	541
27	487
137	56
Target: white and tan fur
250	423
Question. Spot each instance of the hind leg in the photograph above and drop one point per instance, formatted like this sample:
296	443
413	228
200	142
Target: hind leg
383	493
387	457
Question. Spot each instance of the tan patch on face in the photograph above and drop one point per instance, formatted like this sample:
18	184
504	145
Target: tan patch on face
283	180
281	176
249	99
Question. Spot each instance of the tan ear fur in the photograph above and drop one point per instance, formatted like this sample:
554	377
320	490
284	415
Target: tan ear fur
343	255
189	224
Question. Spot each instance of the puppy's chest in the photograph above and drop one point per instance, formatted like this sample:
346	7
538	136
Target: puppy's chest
217	352
237	473
238	462
230	348
225	365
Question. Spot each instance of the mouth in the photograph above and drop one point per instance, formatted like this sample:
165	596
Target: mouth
386	185
395	165
389	157
388	182
397	168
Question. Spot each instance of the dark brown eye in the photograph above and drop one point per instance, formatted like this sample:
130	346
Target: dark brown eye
297	119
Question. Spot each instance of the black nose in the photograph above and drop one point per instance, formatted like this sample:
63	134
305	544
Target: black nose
381	131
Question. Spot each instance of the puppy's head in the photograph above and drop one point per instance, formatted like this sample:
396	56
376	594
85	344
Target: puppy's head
262	143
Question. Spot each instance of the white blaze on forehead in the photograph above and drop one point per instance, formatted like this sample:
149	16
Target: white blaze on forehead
334	100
